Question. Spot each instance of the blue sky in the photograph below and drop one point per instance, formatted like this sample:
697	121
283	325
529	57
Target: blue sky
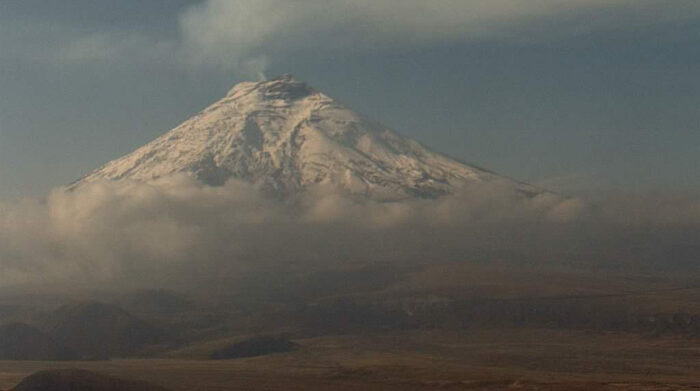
576	95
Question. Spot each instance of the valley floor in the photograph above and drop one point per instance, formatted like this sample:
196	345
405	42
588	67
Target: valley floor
496	359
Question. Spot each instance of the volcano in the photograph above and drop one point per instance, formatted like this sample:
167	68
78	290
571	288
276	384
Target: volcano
286	137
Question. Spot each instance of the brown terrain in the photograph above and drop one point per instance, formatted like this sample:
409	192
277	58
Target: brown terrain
442	326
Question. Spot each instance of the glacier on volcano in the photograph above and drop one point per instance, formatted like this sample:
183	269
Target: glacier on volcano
286	137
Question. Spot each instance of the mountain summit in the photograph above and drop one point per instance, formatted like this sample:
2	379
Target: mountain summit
285	136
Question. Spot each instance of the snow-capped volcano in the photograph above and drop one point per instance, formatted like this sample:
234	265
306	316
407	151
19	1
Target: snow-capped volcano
285	136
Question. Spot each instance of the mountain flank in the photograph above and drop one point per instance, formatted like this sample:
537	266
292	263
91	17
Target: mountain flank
286	137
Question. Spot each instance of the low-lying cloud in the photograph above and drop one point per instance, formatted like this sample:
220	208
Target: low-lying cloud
175	230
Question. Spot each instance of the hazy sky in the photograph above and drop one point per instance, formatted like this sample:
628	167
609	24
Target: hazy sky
576	95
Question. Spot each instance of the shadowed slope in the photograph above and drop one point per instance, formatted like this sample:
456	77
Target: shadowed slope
99	330
19	341
80	380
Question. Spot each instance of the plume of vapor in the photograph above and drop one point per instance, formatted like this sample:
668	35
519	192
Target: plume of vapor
227	33
246	36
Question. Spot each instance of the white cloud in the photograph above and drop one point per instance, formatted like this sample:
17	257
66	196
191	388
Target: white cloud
244	36
176	230
225	32
128	230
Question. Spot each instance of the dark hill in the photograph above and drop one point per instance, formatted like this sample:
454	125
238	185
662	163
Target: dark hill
149	303
255	346
19	341
80	380
97	330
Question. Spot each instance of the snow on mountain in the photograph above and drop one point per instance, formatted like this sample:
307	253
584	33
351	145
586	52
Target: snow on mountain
285	136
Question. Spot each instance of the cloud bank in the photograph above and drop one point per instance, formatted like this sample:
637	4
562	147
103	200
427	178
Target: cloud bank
245	33
245	36
176	231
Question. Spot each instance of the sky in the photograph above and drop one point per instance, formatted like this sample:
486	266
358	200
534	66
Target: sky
579	96
595	99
